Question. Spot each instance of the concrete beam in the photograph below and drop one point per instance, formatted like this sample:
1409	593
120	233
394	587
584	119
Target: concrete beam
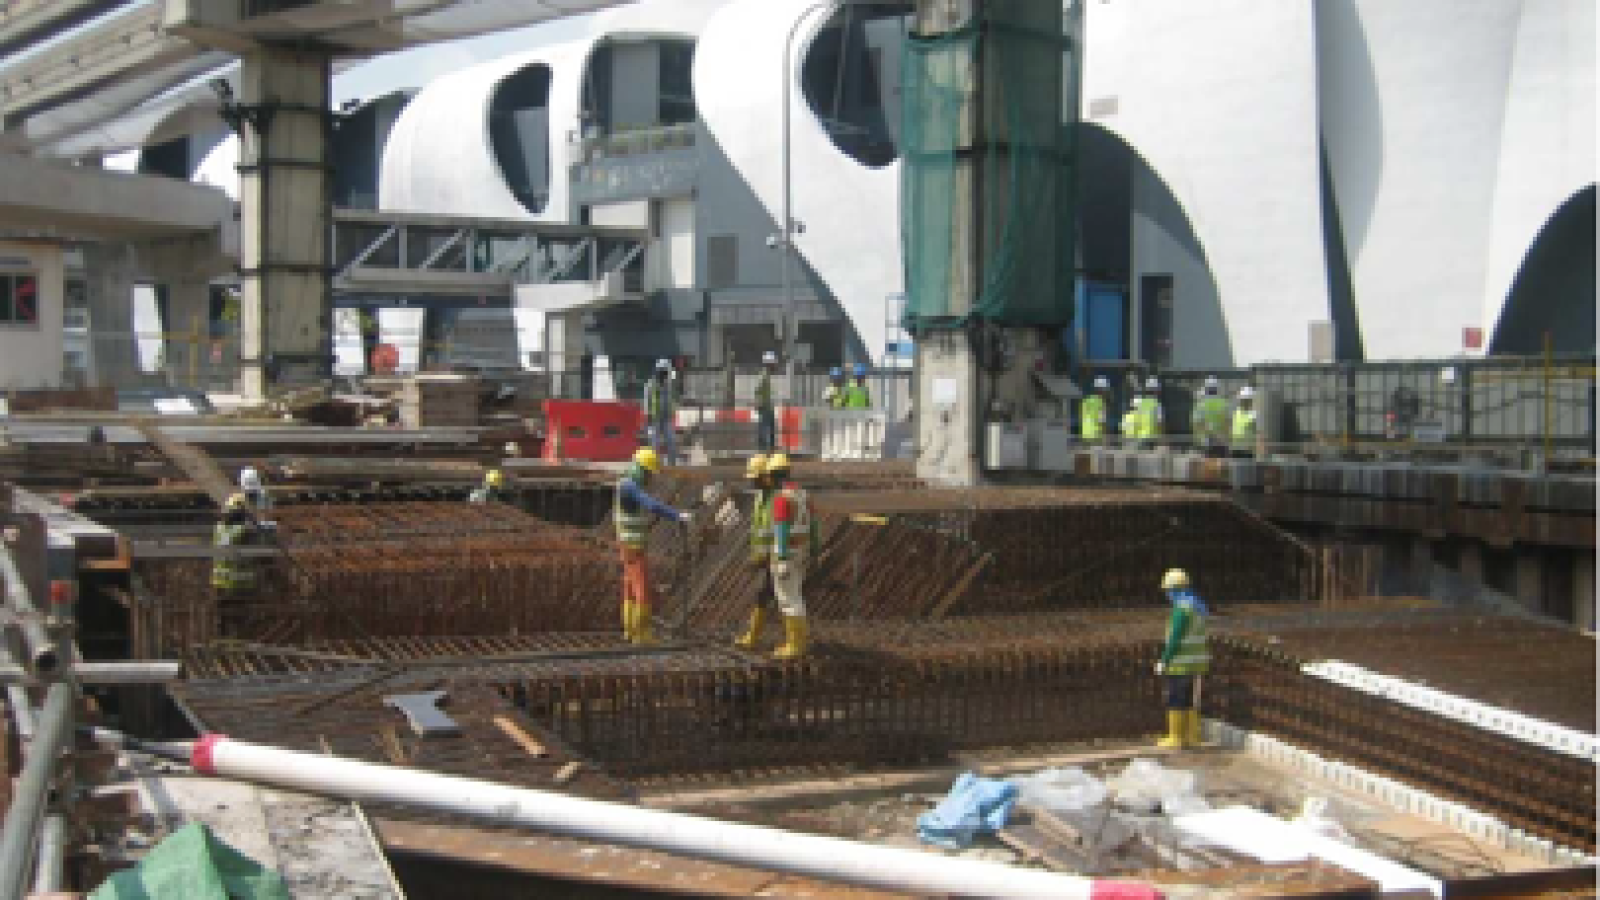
22	21
54	200
117	49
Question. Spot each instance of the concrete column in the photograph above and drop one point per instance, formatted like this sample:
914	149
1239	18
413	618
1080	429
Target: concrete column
285	316
1529	584
110	271
1583	598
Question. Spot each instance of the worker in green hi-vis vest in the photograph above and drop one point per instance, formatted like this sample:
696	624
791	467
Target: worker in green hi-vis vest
856	394
1092	412
1209	423
760	550
1185	658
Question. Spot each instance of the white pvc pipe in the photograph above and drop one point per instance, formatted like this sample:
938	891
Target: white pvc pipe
831	859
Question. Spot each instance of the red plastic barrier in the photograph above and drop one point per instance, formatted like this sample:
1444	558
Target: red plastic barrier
591	430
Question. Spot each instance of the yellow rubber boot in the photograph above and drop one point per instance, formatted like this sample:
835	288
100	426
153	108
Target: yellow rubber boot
628	621
752	635
796	633
643	626
1192	735
1177	728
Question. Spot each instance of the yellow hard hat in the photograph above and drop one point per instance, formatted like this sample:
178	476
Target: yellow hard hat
236	501
777	462
757	466
495	478
646	458
1174	579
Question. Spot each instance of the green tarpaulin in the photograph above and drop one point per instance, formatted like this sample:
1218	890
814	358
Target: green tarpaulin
191	864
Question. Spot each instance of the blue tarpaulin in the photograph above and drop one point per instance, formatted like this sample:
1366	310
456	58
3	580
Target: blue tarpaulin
974	805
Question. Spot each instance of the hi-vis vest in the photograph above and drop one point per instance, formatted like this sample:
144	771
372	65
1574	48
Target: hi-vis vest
856	396
228	572
761	527
1193	656
1244	429
1147	418
1211	414
802	528
1092	417
633	528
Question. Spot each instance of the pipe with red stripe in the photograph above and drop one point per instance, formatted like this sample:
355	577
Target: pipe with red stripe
735	843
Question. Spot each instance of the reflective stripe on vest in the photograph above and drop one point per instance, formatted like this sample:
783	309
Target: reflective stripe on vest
761	536
1193	656
633	528
1244	428
1092	416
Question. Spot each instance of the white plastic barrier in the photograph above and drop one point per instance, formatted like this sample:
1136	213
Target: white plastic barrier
1490	718
1394	794
850	434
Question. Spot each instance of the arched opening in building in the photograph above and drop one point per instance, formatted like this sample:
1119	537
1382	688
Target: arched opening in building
630	85
359	135
1147	290
850	77
1554	291
519	131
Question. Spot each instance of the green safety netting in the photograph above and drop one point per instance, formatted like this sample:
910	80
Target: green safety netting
988	199
193	864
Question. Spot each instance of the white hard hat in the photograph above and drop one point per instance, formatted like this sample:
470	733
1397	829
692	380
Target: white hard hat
769	357
1151	384
1247	392
249	478
663	365
1212	383
1101	383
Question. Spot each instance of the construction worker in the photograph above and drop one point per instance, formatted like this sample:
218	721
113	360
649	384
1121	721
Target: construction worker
1130	421
760	549
659	415
766	413
793	537
632	510
1147	421
234	576
856	395
1092	412
833	394
492	490
254	490
1243	437
1184	659
1209	422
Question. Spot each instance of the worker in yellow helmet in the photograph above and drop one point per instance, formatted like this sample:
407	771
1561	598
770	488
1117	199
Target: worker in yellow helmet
632	510
233	575
493	489
760	549
793	538
1185	657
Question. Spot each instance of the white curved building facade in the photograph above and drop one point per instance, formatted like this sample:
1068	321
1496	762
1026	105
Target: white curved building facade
1351	178
1263	181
